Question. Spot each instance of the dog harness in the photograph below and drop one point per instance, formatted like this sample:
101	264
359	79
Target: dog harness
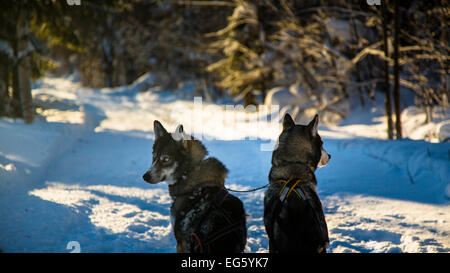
289	187
200	242
295	185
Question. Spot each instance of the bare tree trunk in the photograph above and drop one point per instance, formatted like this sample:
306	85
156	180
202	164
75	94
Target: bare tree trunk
16	103
3	98
428	114
4	85
23	77
398	121
358	64
263	91
107	62
387	87
22	101
108	53
26	97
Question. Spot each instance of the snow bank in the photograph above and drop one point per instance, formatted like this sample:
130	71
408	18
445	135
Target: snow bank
410	170
415	127
26	150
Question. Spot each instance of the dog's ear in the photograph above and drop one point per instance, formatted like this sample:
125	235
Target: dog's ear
312	126
195	148
288	122
158	129
179	135
180	129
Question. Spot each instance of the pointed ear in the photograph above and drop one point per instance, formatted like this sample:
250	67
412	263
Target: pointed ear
180	129
313	125
288	122
158	129
178	135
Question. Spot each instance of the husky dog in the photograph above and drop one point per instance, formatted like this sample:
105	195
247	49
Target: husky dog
293	215
205	217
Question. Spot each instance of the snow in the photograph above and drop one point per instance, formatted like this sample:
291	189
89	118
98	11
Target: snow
75	174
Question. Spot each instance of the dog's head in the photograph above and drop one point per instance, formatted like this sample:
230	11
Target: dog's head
172	154
300	143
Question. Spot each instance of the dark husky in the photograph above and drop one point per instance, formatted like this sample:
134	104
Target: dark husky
205	217
293	214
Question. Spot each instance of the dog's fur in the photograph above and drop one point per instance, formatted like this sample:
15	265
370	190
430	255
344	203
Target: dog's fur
298	224
194	182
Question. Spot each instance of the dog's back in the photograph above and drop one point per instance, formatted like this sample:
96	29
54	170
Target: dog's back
295	224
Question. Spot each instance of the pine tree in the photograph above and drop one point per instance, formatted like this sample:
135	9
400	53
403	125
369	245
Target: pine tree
27	28
242	70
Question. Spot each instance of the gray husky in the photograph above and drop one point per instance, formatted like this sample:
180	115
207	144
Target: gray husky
293	215
205	217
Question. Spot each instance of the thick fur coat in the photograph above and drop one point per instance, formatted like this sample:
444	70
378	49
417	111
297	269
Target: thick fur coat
204	217
296	222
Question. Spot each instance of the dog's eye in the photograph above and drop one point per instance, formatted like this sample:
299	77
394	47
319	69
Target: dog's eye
164	158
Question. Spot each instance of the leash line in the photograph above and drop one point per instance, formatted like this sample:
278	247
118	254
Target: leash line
252	190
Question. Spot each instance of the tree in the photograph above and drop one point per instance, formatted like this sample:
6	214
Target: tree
425	53
242	42
398	114
387	90
166	38
21	50
27	28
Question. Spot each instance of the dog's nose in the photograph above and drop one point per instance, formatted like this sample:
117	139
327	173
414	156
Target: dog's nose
146	177
329	156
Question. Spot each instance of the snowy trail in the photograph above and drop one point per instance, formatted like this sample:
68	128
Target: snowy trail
80	180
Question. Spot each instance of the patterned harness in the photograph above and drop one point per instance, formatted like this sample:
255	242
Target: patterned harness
200	242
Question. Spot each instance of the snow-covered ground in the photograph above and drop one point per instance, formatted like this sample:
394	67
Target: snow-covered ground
75	174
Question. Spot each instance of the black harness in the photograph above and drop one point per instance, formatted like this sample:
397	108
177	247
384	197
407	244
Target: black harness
200	242
302	190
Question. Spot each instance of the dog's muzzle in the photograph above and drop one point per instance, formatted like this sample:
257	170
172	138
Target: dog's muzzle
147	177
324	158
